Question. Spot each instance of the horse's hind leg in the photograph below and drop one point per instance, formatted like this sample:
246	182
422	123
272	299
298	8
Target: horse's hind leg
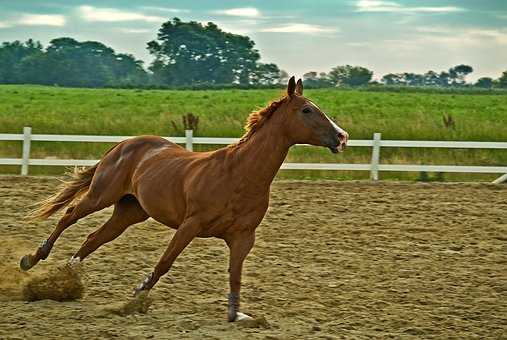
83	208
127	211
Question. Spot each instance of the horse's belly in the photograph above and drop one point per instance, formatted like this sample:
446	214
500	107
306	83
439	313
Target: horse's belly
159	190
163	205
218	226
167	219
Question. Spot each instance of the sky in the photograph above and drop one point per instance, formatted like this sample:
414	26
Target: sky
298	35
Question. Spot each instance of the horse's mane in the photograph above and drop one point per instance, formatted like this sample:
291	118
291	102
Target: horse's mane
258	118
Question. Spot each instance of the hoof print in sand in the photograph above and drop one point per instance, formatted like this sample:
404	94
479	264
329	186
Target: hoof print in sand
137	305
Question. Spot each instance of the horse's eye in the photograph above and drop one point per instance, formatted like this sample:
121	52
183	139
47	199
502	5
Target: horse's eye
307	110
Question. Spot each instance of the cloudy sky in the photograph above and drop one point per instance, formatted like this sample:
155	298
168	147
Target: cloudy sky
297	35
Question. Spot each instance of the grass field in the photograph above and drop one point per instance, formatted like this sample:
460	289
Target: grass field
412	116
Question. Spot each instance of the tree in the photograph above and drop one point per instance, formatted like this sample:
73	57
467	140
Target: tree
192	53
283	78
33	69
444	79
392	79
431	78
72	63
484	82
127	70
413	79
313	79
12	55
265	74
310	76
458	73
350	75
502	81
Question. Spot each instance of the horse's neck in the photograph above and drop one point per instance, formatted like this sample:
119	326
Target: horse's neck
260	157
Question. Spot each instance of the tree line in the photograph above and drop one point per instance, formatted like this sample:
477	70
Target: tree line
185	54
67	62
360	76
190	54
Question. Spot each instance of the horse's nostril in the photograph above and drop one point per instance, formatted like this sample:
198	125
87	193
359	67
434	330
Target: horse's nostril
343	137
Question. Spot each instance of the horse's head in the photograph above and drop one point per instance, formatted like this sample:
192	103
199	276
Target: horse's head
307	124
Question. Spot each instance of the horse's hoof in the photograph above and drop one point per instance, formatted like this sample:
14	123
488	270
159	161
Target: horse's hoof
26	262
74	262
238	316
139	291
144	286
242	317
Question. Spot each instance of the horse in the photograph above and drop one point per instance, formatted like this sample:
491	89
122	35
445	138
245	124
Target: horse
222	193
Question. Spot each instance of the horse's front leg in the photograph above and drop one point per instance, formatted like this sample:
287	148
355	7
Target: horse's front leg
186	232
240	245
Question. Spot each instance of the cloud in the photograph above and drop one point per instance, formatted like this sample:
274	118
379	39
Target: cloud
249	12
4	25
299	28
135	30
426	47
394	7
462	35
357	44
455	41
90	13
166	9
41	20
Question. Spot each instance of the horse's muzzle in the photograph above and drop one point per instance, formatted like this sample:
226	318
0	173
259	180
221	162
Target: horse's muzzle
341	143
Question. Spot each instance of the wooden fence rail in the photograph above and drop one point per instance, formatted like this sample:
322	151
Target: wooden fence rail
374	167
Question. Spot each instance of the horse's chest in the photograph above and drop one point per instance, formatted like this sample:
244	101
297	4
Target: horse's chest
249	211
231	205
233	214
241	210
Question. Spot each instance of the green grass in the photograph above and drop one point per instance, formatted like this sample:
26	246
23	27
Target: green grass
412	116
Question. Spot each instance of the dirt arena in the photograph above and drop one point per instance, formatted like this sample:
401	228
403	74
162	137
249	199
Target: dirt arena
332	260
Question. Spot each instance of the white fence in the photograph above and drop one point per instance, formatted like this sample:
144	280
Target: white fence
374	167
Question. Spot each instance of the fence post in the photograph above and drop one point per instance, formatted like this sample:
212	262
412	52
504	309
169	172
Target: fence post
189	137
27	136
375	156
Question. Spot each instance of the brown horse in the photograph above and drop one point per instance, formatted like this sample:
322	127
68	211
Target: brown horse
224	193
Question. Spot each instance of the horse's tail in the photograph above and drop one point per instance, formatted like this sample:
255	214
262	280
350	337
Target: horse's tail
68	192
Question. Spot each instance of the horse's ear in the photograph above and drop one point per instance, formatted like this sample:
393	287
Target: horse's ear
299	88
291	87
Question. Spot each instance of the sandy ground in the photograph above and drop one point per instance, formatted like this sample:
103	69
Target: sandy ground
332	260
